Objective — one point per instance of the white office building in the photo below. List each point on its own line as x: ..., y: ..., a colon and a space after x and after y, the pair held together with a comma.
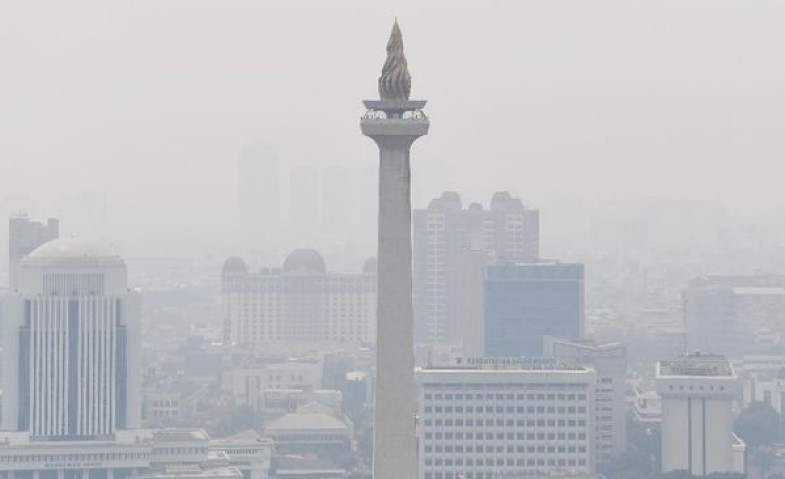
x: 609, y: 359
x: 71, y: 345
x: 71, y: 385
x: 494, y: 417
x: 697, y: 421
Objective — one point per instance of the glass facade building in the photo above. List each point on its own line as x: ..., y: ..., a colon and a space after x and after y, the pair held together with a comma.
x: 524, y: 302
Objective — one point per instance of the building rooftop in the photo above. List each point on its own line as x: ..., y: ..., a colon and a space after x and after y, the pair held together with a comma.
x: 177, y: 435
x: 244, y: 436
x: 306, y: 421
x: 696, y: 365
x: 506, y: 364
x: 72, y: 249
x: 234, y: 265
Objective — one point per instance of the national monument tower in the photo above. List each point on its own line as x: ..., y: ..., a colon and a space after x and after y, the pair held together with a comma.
x: 394, y: 122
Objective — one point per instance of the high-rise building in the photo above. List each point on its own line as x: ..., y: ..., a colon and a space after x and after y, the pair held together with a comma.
x: 300, y: 303
x: 728, y: 314
x: 609, y: 360
x: 24, y: 236
x: 442, y: 233
x: 490, y: 418
x: 303, y: 203
x: 471, y: 298
x: 524, y: 302
x: 71, y: 345
x: 697, y: 392
x: 258, y: 191
x: 394, y: 122
x: 337, y: 204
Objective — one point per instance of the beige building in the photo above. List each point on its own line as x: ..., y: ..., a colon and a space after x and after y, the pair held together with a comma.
x: 299, y: 304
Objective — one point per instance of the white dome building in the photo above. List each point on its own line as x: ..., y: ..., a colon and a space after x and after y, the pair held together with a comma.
x: 72, y: 343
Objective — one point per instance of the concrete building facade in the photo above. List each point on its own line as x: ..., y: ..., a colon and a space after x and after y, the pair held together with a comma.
x: 506, y: 418
x: 697, y: 392
x: 609, y: 360
x: 71, y: 345
x: 299, y: 304
x: 394, y: 122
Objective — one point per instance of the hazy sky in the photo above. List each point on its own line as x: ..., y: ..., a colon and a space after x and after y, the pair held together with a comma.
x: 150, y: 102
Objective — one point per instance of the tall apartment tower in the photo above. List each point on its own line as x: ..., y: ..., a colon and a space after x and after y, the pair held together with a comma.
x: 258, y: 196
x: 394, y: 122
x: 525, y: 302
x: 24, y: 236
x: 71, y: 345
x: 442, y: 234
x: 609, y: 360
x: 697, y: 392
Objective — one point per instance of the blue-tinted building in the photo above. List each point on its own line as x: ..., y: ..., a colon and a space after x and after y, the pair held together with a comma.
x: 526, y: 301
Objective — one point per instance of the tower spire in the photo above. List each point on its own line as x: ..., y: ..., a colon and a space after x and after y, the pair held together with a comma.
x: 395, y: 83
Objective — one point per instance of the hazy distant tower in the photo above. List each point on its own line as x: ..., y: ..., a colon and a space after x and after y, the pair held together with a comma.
x: 394, y: 122
x: 258, y: 193
x: 24, y: 236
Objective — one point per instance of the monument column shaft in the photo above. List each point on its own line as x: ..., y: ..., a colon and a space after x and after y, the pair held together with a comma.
x: 394, y: 431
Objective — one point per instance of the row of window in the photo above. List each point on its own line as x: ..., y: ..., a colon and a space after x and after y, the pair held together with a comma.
x: 530, y: 449
x: 506, y: 462
x: 506, y: 422
x: 508, y: 396
x: 507, y: 409
x: 72, y: 457
x: 509, y: 436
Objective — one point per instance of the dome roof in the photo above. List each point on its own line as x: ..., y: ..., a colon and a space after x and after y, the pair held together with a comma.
x: 304, y: 261
x: 73, y: 249
x: 370, y: 266
x: 234, y: 265
x: 450, y: 200
x: 502, y: 201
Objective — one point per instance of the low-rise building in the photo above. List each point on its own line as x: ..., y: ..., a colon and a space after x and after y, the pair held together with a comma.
x: 493, y: 417
x: 130, y: 453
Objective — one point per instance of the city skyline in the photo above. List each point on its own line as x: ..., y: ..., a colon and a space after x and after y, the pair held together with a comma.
x: 578, y: 273
x: 670, y: 124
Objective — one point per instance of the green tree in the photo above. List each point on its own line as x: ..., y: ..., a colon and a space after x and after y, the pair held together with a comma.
x: 758, y: 425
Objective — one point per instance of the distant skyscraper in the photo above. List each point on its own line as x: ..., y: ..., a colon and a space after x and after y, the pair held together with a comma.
x: 524, y: 302
x: 299, y: 304
x: 697, y: 393
x: 71, y: 345
x: 609, y: 360
x: 442, y: 232
x: 725, y: 313
x: 486, y: 420
x: 337, y: 203
x: 303, y: 204
x: 258, y: 191
x: 24, y: 236
x: 471, y: 299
